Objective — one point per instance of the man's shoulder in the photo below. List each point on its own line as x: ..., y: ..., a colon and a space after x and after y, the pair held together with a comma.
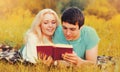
x: 88, y: 32
x: 58, y: 36
x: 59, y: 27
x: 58, y: 30
x: 87, y: 28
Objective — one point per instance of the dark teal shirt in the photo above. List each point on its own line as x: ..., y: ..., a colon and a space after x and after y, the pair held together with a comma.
x: 87, y: 40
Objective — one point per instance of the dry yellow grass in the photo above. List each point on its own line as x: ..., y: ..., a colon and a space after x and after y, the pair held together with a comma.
x: 13, y: 27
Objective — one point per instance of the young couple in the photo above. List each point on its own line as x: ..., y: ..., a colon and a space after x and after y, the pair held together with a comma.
x: 46, y: 29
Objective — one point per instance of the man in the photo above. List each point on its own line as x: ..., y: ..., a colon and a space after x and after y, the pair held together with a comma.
x: 84, y: 39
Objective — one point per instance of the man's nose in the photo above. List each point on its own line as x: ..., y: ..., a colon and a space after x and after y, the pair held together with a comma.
x: 68, y: 32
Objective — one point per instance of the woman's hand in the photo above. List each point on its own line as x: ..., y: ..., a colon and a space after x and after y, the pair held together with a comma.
x: 47, y: 60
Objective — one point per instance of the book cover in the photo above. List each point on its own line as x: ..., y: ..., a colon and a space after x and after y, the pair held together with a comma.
x: 55, y: 51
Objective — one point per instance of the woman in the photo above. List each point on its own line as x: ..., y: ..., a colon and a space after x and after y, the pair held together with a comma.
x: 40, y: 33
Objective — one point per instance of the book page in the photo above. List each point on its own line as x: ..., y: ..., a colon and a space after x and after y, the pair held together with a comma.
x: 63, y: 45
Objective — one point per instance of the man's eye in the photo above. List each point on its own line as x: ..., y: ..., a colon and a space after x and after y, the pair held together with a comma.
x: 64, y: 28
x: 72, y: 29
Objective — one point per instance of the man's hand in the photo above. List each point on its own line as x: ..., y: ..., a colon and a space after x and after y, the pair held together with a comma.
x: 72, y: 58
x: 91, y: 57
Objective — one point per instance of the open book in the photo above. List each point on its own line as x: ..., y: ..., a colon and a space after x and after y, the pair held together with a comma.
x: 55, y: 51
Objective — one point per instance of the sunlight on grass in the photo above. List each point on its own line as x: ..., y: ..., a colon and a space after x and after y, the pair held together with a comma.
x: 13, y: 27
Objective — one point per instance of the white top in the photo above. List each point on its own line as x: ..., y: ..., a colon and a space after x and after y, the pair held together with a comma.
x: 29, y: 52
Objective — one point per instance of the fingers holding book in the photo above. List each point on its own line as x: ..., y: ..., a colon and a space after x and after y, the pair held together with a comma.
x: 72, y: 58
x: 55, y: 53
x: 47, y: 60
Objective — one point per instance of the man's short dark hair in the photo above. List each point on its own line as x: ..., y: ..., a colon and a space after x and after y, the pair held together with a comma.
x: 73, y: 15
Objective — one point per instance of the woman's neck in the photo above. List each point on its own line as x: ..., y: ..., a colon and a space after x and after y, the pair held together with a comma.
x: 47, y: 39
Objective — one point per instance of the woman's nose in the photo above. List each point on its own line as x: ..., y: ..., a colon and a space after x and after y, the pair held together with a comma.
x: 50, y: 24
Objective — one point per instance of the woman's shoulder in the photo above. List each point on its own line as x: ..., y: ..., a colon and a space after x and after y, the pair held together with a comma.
x: 30, y: 36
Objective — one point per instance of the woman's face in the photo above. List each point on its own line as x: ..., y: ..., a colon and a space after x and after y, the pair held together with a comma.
x: 48, y: 24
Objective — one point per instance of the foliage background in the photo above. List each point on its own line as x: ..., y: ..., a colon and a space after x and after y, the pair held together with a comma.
x: 16, y: 17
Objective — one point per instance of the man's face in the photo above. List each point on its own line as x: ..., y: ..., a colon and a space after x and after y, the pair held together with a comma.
x: 71, y: 32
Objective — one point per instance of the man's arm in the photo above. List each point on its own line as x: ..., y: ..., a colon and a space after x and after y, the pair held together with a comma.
x: 91, y: 57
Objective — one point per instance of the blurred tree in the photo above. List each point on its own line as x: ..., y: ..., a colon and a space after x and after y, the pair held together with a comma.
x: 101, y: 9
x: 36, y: 5
x: 7, y: 7
x: 33, y: 5
x: 116, y: 4
x: 63, y: 4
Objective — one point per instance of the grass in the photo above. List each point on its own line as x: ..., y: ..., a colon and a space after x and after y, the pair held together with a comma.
x: 13, y: 28
x: 6, y: 67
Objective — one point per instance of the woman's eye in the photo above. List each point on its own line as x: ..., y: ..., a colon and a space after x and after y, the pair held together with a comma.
x: 53, y: 22
x: 45, y: 23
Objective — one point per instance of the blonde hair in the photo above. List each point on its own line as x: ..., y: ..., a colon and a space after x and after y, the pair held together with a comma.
x: 35, y: 28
